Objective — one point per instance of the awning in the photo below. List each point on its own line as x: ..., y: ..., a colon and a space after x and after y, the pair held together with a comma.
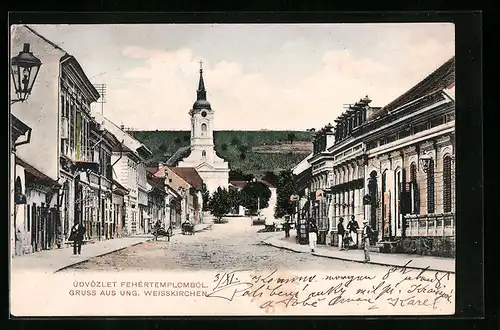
x: 145, y: 215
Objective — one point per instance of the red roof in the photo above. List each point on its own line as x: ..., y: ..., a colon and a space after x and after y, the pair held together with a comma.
x: 155, y: 182
x: 152, y: 170
x: 190, y: 175
x: 239, y: 184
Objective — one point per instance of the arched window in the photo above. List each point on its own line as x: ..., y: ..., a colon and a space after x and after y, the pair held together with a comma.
x: 203, y: 129
x: 430, y: 188
x: 415, y: 194
x: 204, y: 154
x: 447, y: 184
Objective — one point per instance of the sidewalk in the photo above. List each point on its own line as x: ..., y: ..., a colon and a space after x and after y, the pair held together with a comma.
x: 58, y: 259
x: 384, y: 259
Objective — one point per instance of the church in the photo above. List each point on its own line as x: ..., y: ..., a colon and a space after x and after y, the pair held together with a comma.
x: 201, y: 154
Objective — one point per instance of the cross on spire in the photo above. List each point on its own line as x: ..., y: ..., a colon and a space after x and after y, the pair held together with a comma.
x: 201, y: 65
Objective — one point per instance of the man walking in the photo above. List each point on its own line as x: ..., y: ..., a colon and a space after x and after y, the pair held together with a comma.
x: 313, y: 235
x: 77, y: 233
x: 286, y: 228
x: 341, y: 233
x: 367, y: 234
x: 352, y: 228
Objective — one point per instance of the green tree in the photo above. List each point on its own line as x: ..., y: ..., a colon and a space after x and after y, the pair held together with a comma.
x: 177, y: 140
x: 220, y: 204
x: 186, y: 138
x: 234, y: 198
x: 235, y: 141
x: 271, y: 177
x: 205, y: 194
x: 291, y: 137
x: 255, y: 194
x: 224, y: 146
x: 163, y: 147
x: 285, y: 188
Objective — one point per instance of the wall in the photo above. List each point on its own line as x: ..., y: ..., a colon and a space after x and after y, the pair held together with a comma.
x: 41, y: 110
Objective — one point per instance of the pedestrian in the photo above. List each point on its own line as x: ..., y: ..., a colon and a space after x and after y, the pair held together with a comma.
x: 341, y: 233
x: 313, y: 235
x: 286, y: 228
x: 367, y: 234
x: 77, y: 233
x: 352, y: 228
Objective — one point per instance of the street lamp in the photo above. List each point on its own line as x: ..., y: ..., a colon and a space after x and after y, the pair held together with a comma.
x: 425, y: 162
x: 24, y: 70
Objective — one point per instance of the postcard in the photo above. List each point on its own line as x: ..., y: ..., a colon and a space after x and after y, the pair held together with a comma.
x: 232, y: 169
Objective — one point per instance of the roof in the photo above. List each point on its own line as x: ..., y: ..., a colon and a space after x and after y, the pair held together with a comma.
x: 155, y: 182
x: 238, y: 183
x: 37, y: 174
x: 190, y: 175
x: 440, y: 79
x: 152, y: 170
x: 179, y: 155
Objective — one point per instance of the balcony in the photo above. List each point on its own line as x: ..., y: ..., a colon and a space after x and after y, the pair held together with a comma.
x: 430, y: 225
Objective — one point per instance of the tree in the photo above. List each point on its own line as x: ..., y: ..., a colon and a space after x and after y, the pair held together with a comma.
x: 220, y: 204
x: 291, y: 137
x: 205, y: 194
x: 186, y: 137
x: 271, y: 177
x: 234, y: 198
x: 235, y: 141
x: 163, y: 147
x: 255, y: 194
x: 224, y: 147
x: 177, y: 140
x: 236, y: 175
x: 285, y: 188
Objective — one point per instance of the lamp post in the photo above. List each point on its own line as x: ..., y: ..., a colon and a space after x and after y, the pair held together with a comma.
x: 24, y: 70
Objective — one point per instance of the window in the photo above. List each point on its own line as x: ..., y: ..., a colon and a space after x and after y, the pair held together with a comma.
x: 437, y: 122
x: 415, y: 194
x: 404, y: 134
x: 204, y: 154
x: 449, y: 117
x: 420, y: 128
x: 430, y: 188
x: 203, y: 129
x: 447, y: 184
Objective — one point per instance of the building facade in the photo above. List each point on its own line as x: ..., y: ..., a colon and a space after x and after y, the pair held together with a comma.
x: 213, y: 169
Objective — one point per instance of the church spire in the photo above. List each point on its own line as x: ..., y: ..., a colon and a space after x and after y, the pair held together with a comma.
x: 201, y: 93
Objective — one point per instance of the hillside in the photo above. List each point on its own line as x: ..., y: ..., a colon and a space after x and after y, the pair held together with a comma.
x: 252, y: 152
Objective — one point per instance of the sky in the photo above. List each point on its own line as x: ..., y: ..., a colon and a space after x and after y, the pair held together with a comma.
x: 257, y: 76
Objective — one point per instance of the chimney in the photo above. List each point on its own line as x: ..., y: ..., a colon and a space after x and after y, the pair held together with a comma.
x: 122, y: 127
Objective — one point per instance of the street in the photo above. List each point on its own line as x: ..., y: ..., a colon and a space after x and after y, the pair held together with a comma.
x: 232, y: 245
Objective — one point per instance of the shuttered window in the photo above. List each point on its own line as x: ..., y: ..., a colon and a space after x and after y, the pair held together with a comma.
x: 430, y: 188
x: 447, y: 184
x: 415, y: 201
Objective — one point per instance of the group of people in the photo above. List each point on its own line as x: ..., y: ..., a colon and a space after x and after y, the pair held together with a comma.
x: 346, y: 237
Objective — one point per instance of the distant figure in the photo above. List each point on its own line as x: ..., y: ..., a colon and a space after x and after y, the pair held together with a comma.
x: 352, y: 228
x: 341, y: 233
x: 77, y: 233
x: 286, y: 228
x: 367, y: 234
x: 313, y: 235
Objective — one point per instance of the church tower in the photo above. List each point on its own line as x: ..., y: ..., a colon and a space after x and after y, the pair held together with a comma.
x: 213, y: 170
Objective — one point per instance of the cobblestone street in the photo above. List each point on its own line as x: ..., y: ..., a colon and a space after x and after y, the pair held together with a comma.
x: 232, y: 245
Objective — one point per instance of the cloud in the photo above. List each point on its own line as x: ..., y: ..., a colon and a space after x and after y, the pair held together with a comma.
x: 159, y: 91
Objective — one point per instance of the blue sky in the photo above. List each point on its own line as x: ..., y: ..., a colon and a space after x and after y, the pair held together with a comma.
x: 287, y: 76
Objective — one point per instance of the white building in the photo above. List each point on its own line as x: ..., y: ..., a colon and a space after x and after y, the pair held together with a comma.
x: 130, y: 172
x: 58, y: 111
x: 213, y: 169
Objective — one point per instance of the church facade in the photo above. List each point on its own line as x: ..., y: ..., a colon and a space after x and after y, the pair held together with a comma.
x: 213, y: 169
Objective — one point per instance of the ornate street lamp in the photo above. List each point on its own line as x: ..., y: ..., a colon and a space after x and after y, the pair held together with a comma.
x: 24, y: 70
x: 425, y: 162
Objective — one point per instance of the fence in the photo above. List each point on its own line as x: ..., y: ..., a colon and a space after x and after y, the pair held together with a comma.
x: 430, y: 225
